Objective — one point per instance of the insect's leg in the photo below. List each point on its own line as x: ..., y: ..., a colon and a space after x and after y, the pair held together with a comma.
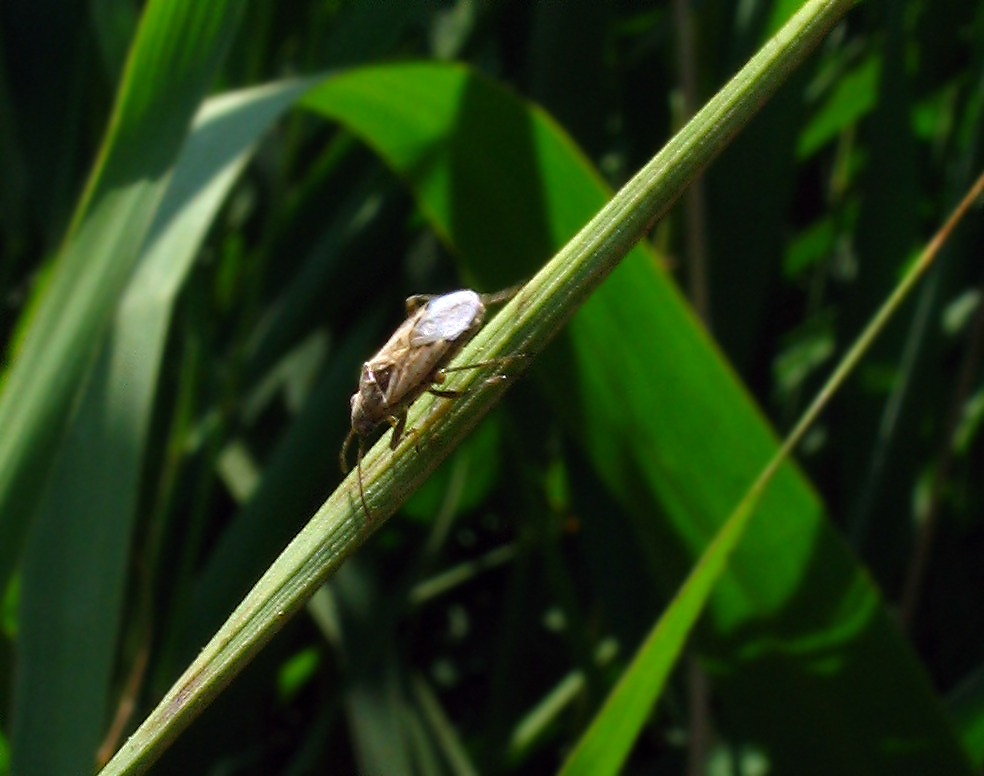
x: 441, y: 374
x: 501, y: 296
x: 400, y: 430
x: 444, y: 394
x: 399, y: 425
x: 478, y: 365
x: 362, y: 492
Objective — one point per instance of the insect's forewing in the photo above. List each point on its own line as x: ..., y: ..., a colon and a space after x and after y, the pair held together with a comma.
x: 447, y: 317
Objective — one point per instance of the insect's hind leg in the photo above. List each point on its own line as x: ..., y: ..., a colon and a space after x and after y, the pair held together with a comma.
x: 440, y: 375
x: 362, y: 490
x: 498, y: 297
x: 358, y: 467
x: 446, y: 394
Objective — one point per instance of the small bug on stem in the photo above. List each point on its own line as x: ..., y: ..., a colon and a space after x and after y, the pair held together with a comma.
x: 413, y: 361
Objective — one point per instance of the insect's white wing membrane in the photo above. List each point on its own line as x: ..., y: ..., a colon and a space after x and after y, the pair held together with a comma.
x: 447, y: 317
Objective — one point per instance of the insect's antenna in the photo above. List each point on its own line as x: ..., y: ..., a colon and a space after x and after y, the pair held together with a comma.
x: 345, y: 447
x: 362, y: 493
x: 504, y: 295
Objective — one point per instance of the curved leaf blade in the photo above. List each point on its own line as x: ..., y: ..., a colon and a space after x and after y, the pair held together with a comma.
x: 177, y: 50
x: 74, y: 575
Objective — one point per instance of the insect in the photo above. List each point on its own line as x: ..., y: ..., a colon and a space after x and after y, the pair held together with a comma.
x: 412, y: 362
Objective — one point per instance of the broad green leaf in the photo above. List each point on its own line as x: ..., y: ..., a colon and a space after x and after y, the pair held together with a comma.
x: 71, y: 605
x: 179, y: 45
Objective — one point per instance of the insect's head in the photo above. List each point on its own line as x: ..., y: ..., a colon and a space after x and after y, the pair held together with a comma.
x: 363, y: 420
x: 367, y: 403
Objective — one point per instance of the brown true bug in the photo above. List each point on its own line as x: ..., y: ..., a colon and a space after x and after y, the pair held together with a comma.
x: 413, y: 361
